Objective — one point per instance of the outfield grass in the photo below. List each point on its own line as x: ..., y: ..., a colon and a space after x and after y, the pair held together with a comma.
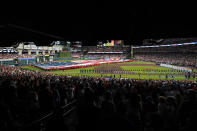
x: 140, y: 62
x: 137, y: 62
x: 145, y: 67
x: 76, y: 72
x: 29, y: 67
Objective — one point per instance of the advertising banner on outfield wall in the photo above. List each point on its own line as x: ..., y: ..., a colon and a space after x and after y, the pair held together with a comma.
x: 7, y: 50
x: 6, y: 59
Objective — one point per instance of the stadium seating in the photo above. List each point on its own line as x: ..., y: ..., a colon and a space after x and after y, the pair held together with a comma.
x: 107, y: 52
x: 178, y: 40
x: 176, y: 55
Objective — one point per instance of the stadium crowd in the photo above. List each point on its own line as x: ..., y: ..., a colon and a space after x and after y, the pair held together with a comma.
x: 180, y: 48
x: 76, y: 54
x: 106, y: 56
x: 175, y: 55
x: 169, y: 41
x: 105, y: 49
x: 169, y: 58
x: 178, y: 40
x: 25, y: 95
x: 103, y: 103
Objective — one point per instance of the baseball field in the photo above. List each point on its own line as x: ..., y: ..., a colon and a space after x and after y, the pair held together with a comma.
x: 134, y: 69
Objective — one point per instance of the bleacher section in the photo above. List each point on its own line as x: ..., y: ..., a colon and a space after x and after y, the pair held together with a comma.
x: 113, y: 52
x: 184, y: 54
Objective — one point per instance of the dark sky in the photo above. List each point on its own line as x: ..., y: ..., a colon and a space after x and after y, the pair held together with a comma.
x: 97, y: 22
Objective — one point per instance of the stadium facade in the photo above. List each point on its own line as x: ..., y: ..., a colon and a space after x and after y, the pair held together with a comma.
x: 25, y: 53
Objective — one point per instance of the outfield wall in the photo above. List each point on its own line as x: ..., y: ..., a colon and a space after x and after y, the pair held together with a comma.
x: 176, y: 67
x: 7, y: 61
x: 21, y: 61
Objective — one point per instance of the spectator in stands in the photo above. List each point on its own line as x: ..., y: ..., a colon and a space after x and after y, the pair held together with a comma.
x: 188, y: 106
x: 108, y: 106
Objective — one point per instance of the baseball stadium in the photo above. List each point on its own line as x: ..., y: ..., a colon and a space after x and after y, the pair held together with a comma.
x: 109, y: 86
x: 98, y: 66
x: 115, y: 60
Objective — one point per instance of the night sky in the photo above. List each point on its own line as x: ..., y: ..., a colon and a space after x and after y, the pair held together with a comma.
x: 99, y: 22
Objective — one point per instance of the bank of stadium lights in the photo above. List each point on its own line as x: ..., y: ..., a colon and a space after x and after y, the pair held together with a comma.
x: 68, y: 42
x: 57, y: 42
x: 8, y: 50
x: 78, y: 42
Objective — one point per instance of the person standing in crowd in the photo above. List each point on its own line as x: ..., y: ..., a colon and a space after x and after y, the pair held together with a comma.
x: 193, y: 75
x: 166, y: 76
x: 159, y: 76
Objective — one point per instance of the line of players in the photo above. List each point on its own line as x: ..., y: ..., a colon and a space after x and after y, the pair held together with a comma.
x: 132, y: 71
x: 140, y: 71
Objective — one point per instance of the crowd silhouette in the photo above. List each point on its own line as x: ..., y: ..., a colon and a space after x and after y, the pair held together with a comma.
x: 103, y: 104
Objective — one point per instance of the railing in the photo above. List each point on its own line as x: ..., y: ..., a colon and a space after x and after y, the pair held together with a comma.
x: 71, y: 104
x: 40, y: 123
x: 69, y: 111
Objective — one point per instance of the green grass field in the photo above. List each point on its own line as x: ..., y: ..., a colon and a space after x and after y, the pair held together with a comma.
x: 144, y: 67
x: 125, y: 66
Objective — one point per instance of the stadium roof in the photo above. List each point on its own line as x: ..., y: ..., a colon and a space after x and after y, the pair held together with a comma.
x: 132, y: 24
